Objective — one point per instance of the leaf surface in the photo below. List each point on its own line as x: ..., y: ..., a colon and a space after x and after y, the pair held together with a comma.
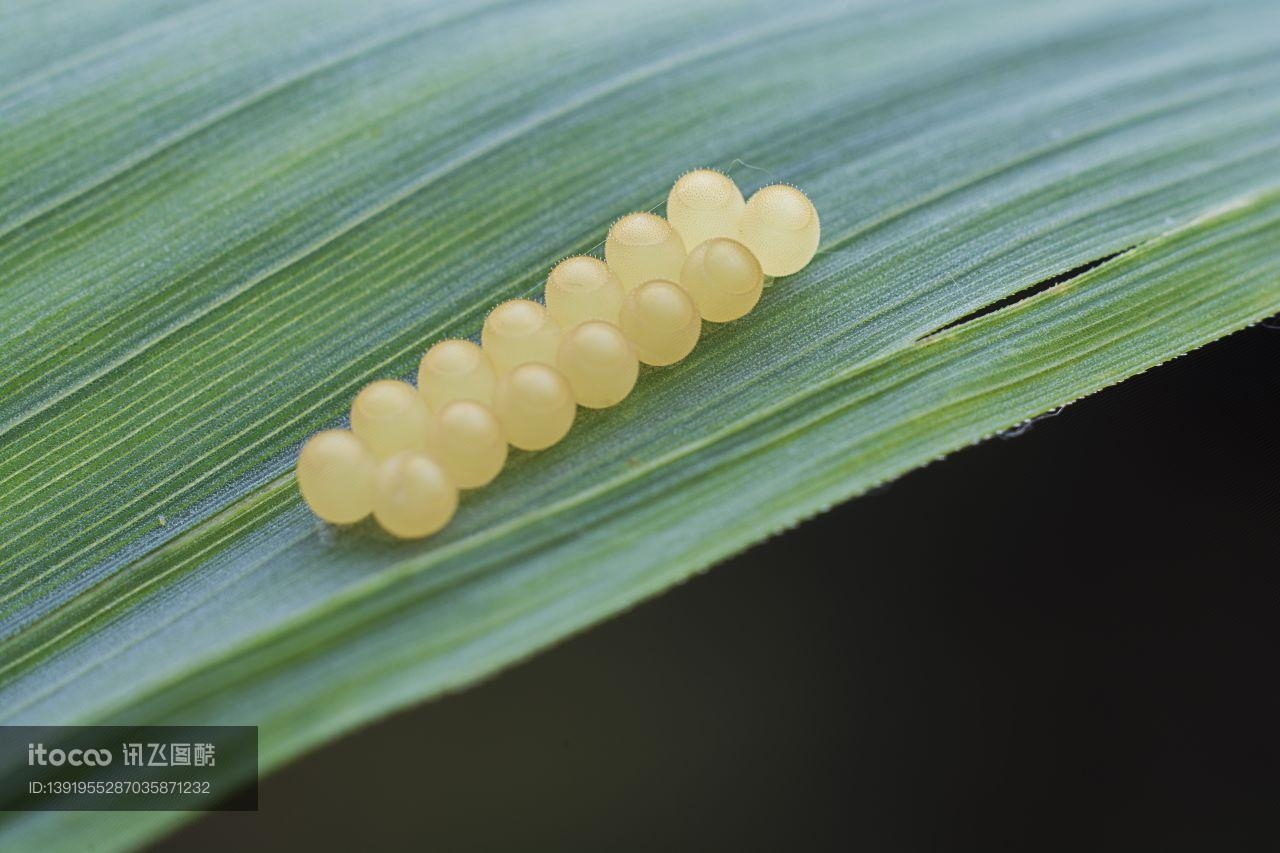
x: 217, y: 221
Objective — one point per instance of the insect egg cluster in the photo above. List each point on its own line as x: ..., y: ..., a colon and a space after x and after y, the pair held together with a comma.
x: 410, y: 450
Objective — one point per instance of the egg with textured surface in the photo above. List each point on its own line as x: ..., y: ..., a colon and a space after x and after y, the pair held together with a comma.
x: 519, y: 331
x: 580, y: 289
x: 704, y: 204
x: 392, y: 417
x: 455, y: 370
x: 780, y: 226
x: 641, y: 247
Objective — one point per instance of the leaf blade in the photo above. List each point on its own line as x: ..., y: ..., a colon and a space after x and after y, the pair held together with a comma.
x: 940, y: 192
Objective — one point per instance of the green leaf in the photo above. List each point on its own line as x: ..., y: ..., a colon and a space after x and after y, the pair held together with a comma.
x: 218, y: 220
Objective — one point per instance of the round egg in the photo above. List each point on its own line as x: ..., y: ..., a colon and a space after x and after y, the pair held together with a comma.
x: 455, y: 370
x: 519, y: 331
x: 392, y: 417
x: 580, y: 289
x: 641, y: 247
x: 780, y: 226
x: 413, y: 497
x: 662, y: 321
x: 724, y: 279
x: 704, y: 204
x: 335, y: 475
x: 600, y: 364
x: 470, y: 443
x: 535, y: 405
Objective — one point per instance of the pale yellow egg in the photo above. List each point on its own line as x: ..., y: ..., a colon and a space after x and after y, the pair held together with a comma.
x: 392, y: 417
x: 704, y: 204
x: 580, y: 289
x: 335, y: 475
x: 519, y: 331
x: 662, y: 321
x: 412, y: 495
x: 534, y: 403
x: 455, y: 370
x: 641, y: 247
x: 600, y: 364
x: 780, y: 226
x: 724, y: 279
x: 470, y: 443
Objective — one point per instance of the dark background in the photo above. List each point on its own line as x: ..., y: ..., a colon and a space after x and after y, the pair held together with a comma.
x: 1065, y: 640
